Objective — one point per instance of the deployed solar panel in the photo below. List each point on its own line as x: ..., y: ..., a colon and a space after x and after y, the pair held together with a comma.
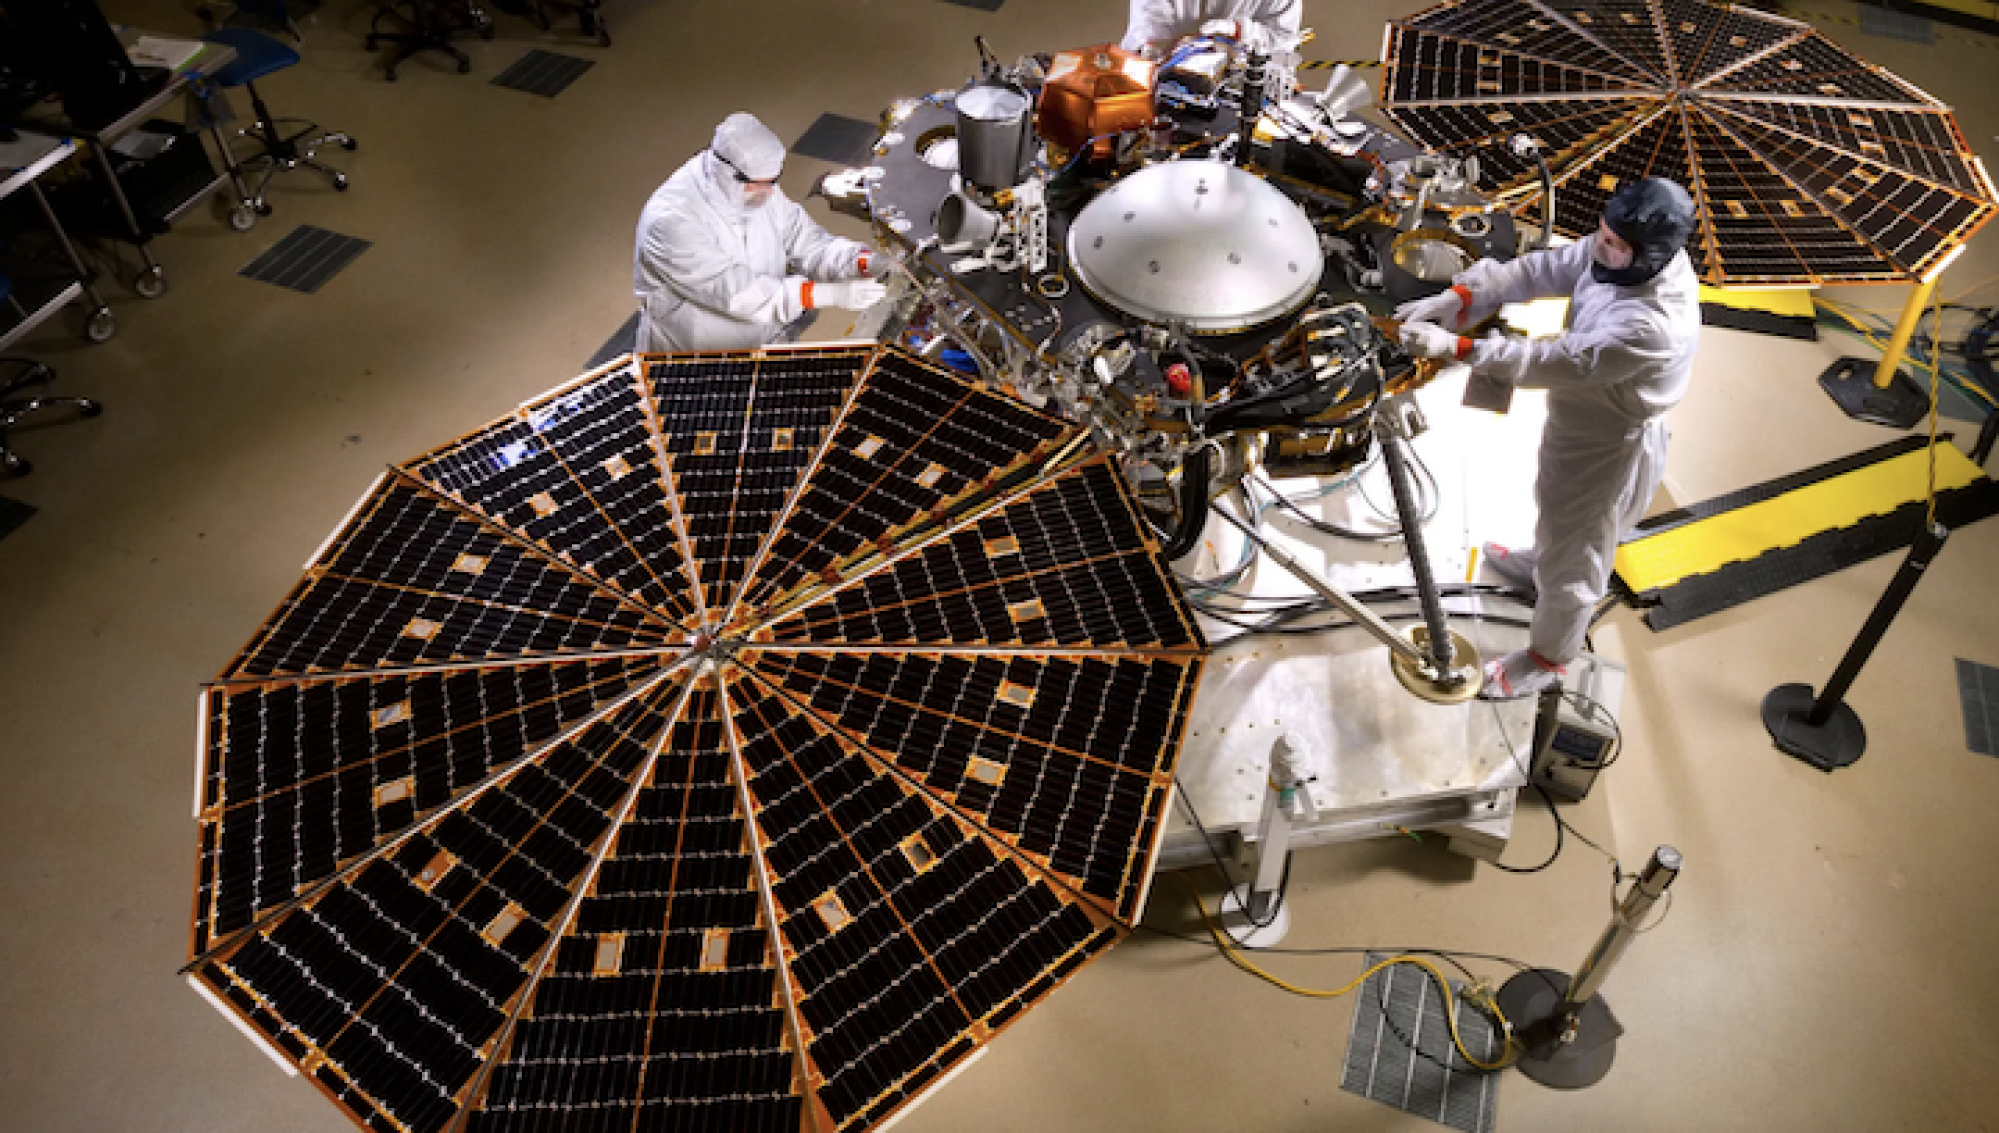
x: 1808, y: 165
x: 719, y: 742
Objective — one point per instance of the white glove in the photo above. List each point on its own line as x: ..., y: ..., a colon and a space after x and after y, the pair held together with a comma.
x: 1221, y: 29
x: 872, y: 264
x: 850, y: 294
x: 1445, y: 308
x: 1428, y: 340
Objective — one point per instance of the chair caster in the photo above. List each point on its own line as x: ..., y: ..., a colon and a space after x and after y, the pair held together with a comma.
x: 89, y: 408
x: 340, y: 182
x: 243, y: 217
x: 603, y: 33
x: 262, y: 206
x: 17, y: 467
x: 151, y: 283
x: 102, y: 325
x: 349, y: 144
x: 464, y: 66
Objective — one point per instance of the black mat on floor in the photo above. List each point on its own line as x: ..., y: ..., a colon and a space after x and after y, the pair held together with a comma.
x: 13, y: 513
x: 1403, y: 1003
x: 836, y: 138
x: 620, y: 342
x: 981, y: 5
x: 543, y: 72
x: 1978, y: 692
x: 305, y: 259
x: 1895, y: 25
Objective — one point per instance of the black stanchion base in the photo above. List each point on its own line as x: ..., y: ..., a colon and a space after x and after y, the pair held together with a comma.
x: 1850, y: 383
x: 1839, y: 742
x: 1531, y: 1002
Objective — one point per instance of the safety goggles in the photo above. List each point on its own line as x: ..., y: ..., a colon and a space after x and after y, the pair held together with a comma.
x: 741, y: 176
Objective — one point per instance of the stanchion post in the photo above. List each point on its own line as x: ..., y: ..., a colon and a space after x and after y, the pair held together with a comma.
x: 1823, y: 730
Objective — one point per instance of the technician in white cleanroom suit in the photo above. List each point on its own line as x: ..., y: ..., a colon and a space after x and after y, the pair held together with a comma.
x: 1263, y: 25
x: 1634, y: 321
x: 725, y: 259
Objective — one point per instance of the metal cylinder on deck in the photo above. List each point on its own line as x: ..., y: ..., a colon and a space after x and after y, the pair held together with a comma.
x: 995, y: 135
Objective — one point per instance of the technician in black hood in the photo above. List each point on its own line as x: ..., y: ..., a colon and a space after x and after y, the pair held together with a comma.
x: 1625, y: 359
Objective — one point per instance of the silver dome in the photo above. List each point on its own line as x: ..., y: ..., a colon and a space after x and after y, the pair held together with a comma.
x: 1201, y: 243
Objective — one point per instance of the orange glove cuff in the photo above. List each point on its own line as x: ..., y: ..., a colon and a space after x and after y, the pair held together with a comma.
x: 1463, y: 351
x: 1464, y: 301
x: 805, y: 295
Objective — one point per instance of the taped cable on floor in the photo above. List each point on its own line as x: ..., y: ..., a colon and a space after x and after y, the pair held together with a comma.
x: 1507, y: 1051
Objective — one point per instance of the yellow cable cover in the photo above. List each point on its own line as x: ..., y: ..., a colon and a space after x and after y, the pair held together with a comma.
x: 1706, y: 545
x: 1791, y: 302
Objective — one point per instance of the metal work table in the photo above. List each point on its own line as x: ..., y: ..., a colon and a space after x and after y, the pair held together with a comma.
x: 23, y: 161
x: 151, y: 283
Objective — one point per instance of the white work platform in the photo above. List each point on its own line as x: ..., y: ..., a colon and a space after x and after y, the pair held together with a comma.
x: 1385, y: 760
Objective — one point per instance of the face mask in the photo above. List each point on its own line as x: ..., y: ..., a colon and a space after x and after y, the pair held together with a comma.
x: 1616, y: 259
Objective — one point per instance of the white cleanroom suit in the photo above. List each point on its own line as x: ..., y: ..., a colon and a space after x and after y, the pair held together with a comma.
x: 1625, y: 359
x: 722, y: 264
x: 1262, y: 25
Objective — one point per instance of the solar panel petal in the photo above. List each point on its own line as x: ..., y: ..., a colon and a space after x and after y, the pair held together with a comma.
x: 504, y: 825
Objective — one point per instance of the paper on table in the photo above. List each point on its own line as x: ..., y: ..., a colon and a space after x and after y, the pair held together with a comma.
x: 155, y: 51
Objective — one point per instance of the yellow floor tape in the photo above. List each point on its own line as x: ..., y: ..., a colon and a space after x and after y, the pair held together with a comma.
x: 1706, y: 545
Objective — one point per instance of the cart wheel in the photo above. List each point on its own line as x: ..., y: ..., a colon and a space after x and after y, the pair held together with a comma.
x: 340, y: 182
x: 89, y: 408
x: 151, y: 283
x: 18, y: 467
x: 102, y: 325
x: 486, y: 27
x: 243, y: 218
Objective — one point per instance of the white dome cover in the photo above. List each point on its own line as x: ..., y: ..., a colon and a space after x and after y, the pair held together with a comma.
x: 1201, y: 243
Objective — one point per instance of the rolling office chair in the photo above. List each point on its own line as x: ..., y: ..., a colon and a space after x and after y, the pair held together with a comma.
x: 427, y: 25
x: 259, y: 56
x: 32, y: 375
x: 588, y: 12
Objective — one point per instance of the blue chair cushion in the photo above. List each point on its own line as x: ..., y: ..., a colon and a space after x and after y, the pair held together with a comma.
x: 257, y: 55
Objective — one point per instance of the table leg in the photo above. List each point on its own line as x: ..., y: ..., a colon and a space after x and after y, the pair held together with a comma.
x: 102, y: 324
x: 152, y: 282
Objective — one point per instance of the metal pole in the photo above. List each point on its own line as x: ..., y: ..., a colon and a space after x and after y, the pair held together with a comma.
x: 1658, y: 874
x: 1925, y: 549
x: 1251, y: 107
x: 1419, y: 557
x: 1348, y: 604
x: 1891, y: 358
